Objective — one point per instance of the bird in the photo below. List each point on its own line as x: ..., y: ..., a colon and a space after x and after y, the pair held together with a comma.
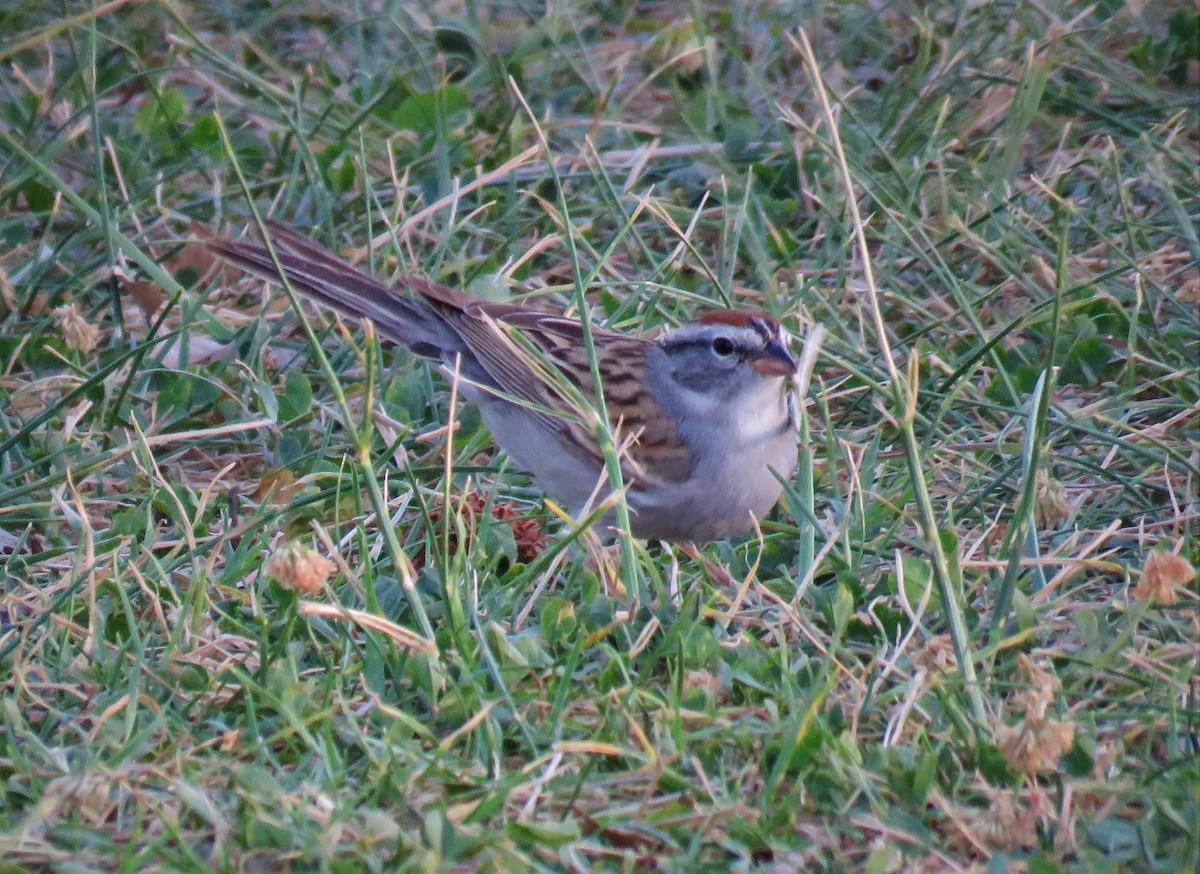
x: 704, y: 413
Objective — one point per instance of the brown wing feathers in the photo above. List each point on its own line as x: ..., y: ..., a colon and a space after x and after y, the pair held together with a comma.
x: 437, y: 321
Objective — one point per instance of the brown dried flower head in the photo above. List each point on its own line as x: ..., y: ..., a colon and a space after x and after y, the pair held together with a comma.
x: 77, y: 331
x: 1036, y: 742
x: 1051, y: 507
x: 1041, y: 687
x: 1163, y: 576
x: 1035, y: 746
x: 936, y: 656
x: 1009, y: 818
x: 527, y: 533
x: 299, y: 568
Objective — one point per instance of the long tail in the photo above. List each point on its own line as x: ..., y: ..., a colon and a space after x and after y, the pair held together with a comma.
x: 318, y: 273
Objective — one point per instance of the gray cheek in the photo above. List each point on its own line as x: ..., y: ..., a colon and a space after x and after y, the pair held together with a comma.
x: 725, y: 383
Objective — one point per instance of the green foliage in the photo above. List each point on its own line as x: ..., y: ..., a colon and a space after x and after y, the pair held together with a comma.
x: 1171, y: 54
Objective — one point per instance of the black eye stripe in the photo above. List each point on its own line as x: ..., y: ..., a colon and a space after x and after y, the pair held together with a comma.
x: 738, y: 344
x: 706, y: 342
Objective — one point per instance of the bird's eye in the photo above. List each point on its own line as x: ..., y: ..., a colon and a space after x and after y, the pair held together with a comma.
x: 723, y: 346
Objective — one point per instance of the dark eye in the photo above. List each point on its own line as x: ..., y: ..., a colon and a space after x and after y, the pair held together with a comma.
x: 723, y: 346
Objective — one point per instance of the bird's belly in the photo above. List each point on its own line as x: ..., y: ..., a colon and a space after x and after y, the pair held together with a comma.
x: 725, y: 497
x: 539, y: 451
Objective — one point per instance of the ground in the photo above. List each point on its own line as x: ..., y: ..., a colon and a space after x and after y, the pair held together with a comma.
x: 272, y: 600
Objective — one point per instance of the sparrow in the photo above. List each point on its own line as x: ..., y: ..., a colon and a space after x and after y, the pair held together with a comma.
x: 704, y: 413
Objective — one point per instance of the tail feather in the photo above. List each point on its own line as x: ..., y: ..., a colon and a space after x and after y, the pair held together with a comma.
x: 319, y: 274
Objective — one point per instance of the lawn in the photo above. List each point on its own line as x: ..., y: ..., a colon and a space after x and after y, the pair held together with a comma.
x: 271, y: 599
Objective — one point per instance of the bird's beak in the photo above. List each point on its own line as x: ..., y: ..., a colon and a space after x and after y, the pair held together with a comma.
x: 774, y: 360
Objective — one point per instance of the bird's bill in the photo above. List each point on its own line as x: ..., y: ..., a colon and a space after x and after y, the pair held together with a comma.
x: 774, y: 360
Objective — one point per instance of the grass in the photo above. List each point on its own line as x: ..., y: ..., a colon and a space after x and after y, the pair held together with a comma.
x: 958, y: 644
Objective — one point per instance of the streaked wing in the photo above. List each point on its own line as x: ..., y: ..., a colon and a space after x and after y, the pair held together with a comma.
x: 655, y: 445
